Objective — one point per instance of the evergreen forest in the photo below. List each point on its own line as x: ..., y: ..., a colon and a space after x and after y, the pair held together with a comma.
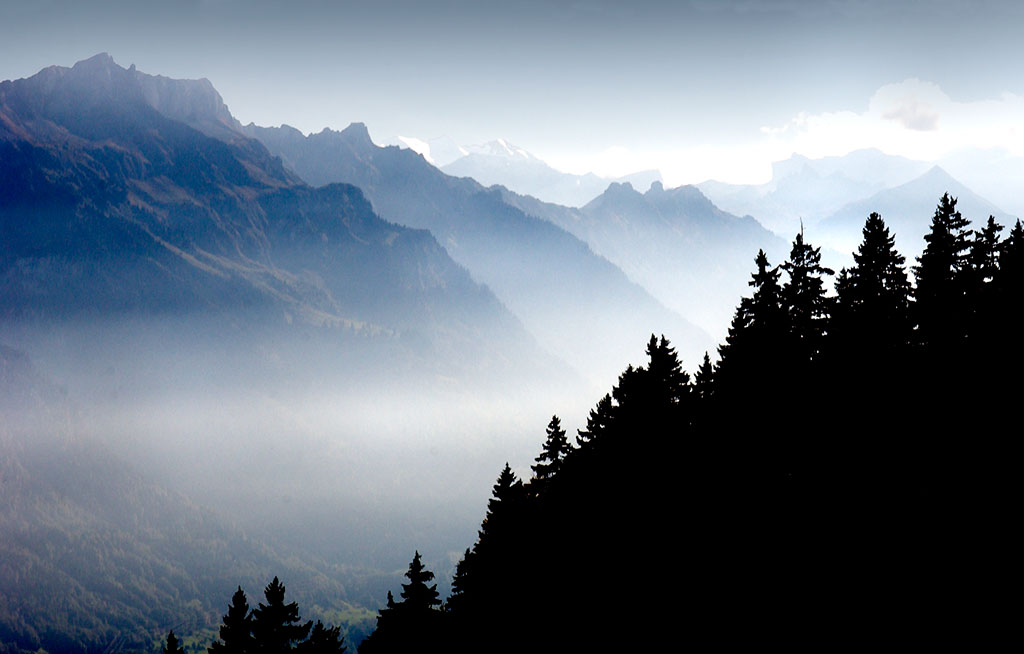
x: 842, y: 477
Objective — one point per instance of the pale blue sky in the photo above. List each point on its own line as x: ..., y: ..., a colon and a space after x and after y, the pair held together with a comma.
x: 588, y: 83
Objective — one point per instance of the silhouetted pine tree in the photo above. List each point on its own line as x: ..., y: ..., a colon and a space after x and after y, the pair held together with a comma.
x: 873, y: 297
x: 236, y: 629
x: 462, y: 583
x: 940, y: 306
x: 417, y: 595
x: 704, y: 379
x: 276, y: 626
x: 556, y: 447
x: 981, y: 291
x: 804, y: 299
x: 758, y: 336
x: 413, y: 625
x: 598, y: 422
x: 323, y: 640
x: 1008, y: 290
x: 173, y: 645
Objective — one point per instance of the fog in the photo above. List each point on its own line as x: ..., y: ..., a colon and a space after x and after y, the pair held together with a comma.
x: 339, y: 453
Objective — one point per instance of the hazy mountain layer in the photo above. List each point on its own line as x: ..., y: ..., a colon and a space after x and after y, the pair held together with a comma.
x: 578, y: 305
x: 907, y: 210
x: 273, y: 349
x: 110, y: 205
x: 98, y: 558
x: 809, y: 190
x: 520, y: 171
x: 690, y: 254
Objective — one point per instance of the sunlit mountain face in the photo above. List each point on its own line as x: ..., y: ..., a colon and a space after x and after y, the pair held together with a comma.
x: 481, y: 326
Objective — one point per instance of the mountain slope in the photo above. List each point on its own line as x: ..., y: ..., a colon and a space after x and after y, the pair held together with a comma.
x: 97, y: 557
x: 578, y: 305
x: 907, y: 210
x: 272, y: 350
x: 693, y: 256
x: 109, y: 204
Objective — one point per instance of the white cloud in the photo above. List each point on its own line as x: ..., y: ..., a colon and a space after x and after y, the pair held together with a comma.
x: 912, y: 118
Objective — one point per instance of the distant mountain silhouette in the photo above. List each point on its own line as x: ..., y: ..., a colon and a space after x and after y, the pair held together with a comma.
x: 808, y: 190
x: 691, y: 255
x: 577, y: 304
x: 993, y: 173
x: 498, y: 162
x: 907, y: 210
x: 123, y: 194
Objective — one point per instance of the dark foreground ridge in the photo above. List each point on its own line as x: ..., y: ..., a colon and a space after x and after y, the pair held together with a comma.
x: 841, y: 477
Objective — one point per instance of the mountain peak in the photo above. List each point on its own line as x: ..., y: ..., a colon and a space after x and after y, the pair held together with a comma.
x: 357, y: 133
x: 936, y: 172
x: 97, y: 61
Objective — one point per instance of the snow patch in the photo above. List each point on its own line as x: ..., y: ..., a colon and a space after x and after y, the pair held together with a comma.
x: 418, y: 146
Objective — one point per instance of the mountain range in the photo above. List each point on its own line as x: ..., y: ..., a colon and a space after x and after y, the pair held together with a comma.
x: 199, y: 317
x: 576, y: 303
x: 502, y: 163
x: 907, y: 210
x: 674, y: 242
x: 831, y: 197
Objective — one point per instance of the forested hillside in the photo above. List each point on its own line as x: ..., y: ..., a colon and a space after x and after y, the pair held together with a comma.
x: 842, y: 477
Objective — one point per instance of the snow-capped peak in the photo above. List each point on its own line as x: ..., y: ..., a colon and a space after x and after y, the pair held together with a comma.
x: 418, y: 146
x: 500, y: 148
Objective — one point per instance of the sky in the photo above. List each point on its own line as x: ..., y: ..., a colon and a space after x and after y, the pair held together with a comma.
x: 699, y: 89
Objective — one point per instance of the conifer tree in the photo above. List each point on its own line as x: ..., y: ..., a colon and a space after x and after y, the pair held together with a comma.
x: 173, y: 645
x: 598, y: 422
x: 462, y: 583
x: 981, y: 290
x: 323, y: 640
x: 667, y: 379
x: 803, y: 297
x: 1008, y: 290
x: 940, y: 295
x: 556, y: 447
x: 1011, y: 257
x: 236, y: 629
x: 758, y: 335
x: 704, y: 379
x: 984, y: 252
x: 873, y: 306
x: 414, y: 624
x: 417, y: 595
x: 276, y: 626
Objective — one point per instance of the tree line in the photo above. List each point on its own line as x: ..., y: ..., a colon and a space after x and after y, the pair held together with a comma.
x: 843, y: 475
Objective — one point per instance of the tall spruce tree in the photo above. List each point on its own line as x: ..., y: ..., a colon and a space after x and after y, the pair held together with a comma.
x: 981, y: 290
x: 236, y: 629
x: 943, y: 278
x: 804, y: 299
x: 758, y: 337
x: 556, y: 448
x: 415, y: 624
x: 276, y: 625
x: 417, y: 595
x: 704, y: 379
x: 599, y: 421
x: 667, y: 379
x: 873, y: 307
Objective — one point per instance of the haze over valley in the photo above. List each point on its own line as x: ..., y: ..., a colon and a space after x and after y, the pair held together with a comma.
x: 305, y: 293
